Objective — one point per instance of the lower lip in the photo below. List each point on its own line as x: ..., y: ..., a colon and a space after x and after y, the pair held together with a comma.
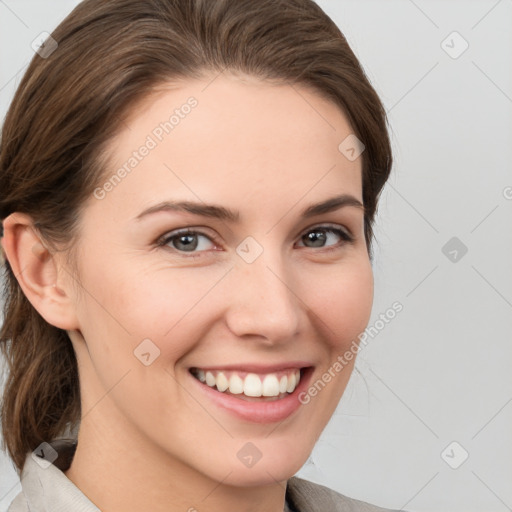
x: 258, y: 412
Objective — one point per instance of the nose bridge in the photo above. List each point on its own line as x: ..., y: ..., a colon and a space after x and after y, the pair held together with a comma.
x: 263, y: 302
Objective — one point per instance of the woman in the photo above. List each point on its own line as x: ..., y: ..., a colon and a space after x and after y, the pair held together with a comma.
x: 188, y: 194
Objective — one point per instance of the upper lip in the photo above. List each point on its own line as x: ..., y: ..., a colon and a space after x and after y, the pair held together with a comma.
x: 257, y: 368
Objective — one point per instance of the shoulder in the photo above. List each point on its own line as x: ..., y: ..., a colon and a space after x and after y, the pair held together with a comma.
x: 306, y: 496
x: 18, y: 504
x: 44, y: 485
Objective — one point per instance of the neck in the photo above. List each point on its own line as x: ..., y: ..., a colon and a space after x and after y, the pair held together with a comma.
x: 140, y: 476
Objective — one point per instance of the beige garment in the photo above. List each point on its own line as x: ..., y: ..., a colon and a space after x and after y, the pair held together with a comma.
x: 45, y: 488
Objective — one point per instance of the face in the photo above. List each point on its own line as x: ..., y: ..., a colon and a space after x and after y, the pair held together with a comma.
x: 207, y: 278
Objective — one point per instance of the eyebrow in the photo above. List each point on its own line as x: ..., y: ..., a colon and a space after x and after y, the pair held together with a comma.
x: 225, y: 214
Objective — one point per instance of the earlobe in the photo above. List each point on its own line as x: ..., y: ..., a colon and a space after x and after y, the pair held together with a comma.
x: 37, y: 272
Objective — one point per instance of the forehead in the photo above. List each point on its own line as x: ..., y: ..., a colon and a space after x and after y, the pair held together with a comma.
x: 230, y: 139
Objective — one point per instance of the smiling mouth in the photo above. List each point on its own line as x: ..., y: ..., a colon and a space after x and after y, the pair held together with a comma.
x: 250, y: 386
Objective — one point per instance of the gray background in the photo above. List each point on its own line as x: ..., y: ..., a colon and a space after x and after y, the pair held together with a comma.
x: 439, y: 372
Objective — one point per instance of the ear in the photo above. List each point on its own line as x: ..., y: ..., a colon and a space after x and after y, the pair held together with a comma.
x: 46, y: 285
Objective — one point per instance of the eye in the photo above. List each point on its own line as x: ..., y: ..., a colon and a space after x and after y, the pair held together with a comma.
x: 194, y: 242
x: 187, y: 240
x: 325, y: 236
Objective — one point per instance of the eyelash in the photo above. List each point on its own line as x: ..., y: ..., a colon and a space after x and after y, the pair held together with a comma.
x: 168, y: 237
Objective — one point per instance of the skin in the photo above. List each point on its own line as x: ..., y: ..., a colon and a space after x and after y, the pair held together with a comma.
x: 268, y: 152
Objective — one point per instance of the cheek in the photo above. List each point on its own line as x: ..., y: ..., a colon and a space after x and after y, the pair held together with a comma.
x: 127, y: 313
x: 156, y: 303
x: 129, y: 305
x: 343, y: 301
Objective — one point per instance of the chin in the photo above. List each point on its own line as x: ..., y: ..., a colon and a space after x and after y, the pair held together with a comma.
x: 268, y: 474
x: 277, y: 466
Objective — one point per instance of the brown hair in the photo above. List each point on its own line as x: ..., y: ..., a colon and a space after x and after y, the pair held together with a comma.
x: 69, y: 105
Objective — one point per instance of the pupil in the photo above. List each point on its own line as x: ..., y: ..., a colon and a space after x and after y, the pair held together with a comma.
x: 317, y: 238
x: 190, y: 242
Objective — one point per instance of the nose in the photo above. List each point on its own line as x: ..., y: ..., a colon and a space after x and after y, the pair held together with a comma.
x: 263, y: 302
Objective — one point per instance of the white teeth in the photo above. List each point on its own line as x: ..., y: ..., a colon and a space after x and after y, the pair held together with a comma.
x: 236, y: 385
x: 291, y: 383
x: 270, y: 385
x: 222, y: 382
x: 210, y: 379
x: 283, y: 384
x: 252, y: 385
